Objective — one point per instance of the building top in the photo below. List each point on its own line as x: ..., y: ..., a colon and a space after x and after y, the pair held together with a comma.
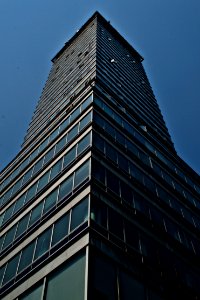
x: 109, y: 27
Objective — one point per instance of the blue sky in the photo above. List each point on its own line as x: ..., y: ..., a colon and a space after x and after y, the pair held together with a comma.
x: 166, y: 33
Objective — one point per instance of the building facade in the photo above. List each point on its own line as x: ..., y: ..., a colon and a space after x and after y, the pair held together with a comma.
x: 97, y: 204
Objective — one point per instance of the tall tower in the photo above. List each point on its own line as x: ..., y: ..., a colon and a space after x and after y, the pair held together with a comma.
x: 97, y: 204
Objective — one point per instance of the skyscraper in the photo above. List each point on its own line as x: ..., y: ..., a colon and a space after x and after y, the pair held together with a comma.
x: 97, y: 204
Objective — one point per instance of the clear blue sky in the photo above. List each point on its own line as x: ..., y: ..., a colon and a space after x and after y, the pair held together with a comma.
x: 166, y: 33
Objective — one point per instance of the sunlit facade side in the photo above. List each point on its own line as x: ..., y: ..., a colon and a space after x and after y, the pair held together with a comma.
x: 97, y: 204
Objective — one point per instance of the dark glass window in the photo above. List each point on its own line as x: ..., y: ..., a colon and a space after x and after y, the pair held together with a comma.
x: 19, y: 203
x: 109, y: 129
x: 81, y: 174
x: 79, y: 214
x: 38, y: 165
x: 83, y: 144
x: 126, y: 193
x: 75, y: 114
x: 123, y: 163
x: 65, y: 188
x: 104, y: 280
x: 111, y: 153
x: 86, y: 102
x: 36, y: 213
x: 27, y: 176
x: 98, y: 142
x: 60, y: 144
x: 17, y: 186
x: 99, y: 213
x: 31, y: 192
x: 85, y: 121
x: 113, y: 182
x: 11, y: 269
x: 55, y: 170
x: 60, y: 229
x: 64, y: 124
x: 120, y: 138
x: 72, y: 133
x: 48, y: 155
x: 8, y: 213
x: 43, y: 243
x: 9, y: 236
x: 98, y: 171
x: 132, y: 235
x: 68, y: 282
x: 22, y: 225
x: 27, y: 256
x: 69, y: 157
x: 115, y: 222
x: 50, y: 200
x: 129, y: 287
x: 43, y: 181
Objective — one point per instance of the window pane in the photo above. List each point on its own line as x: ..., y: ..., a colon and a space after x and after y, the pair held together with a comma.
x: 123, y: 163
x: 72, y: 133
x: 38, y: 165
x: 43, y: 181
x: 43, y: 243
x: 36, y: 213
x: 27, y: 176
x: 79, y: 214
x: 113, y: 182
x: 129, y: 287
x: 86, y: 102
x: 19, y: 203
x: 98, y: 142
x: 83, y: 144
x: 98, y: 171
x: 99, y: 213
x: 8, y: 213
x: 22, y: 225
x: 9, y: 236
x: 26, y: 257
x: 33, y: 294
x: 81, y: 174
x: 111, y: 153
x: 64, y: 124
x: 68, y: 282
x: 75, y: 114
x: 49, y: 155
x: 11, y: 269
x: 31, y: 192
x: 50, y: 200
x: 65, y: 188
x: 104, y: 280
x: 60, y: 229
x: 85, y: 121
x: 69, y: 157
x: 115, y: 223
x: 17, y: 186
x: 56, y: 169
x: 60, y: 144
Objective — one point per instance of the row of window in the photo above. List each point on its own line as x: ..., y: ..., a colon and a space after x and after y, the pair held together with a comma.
x: 37, y: 213
x: 45, y: 241
x: 140, y: 204
x: 130, y: 146
x: 66, y: 282
x: 123, y: 123
x: 124, y: 164
x: 73, y: 180
x: 52, y: 136
x: 76, y: 129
